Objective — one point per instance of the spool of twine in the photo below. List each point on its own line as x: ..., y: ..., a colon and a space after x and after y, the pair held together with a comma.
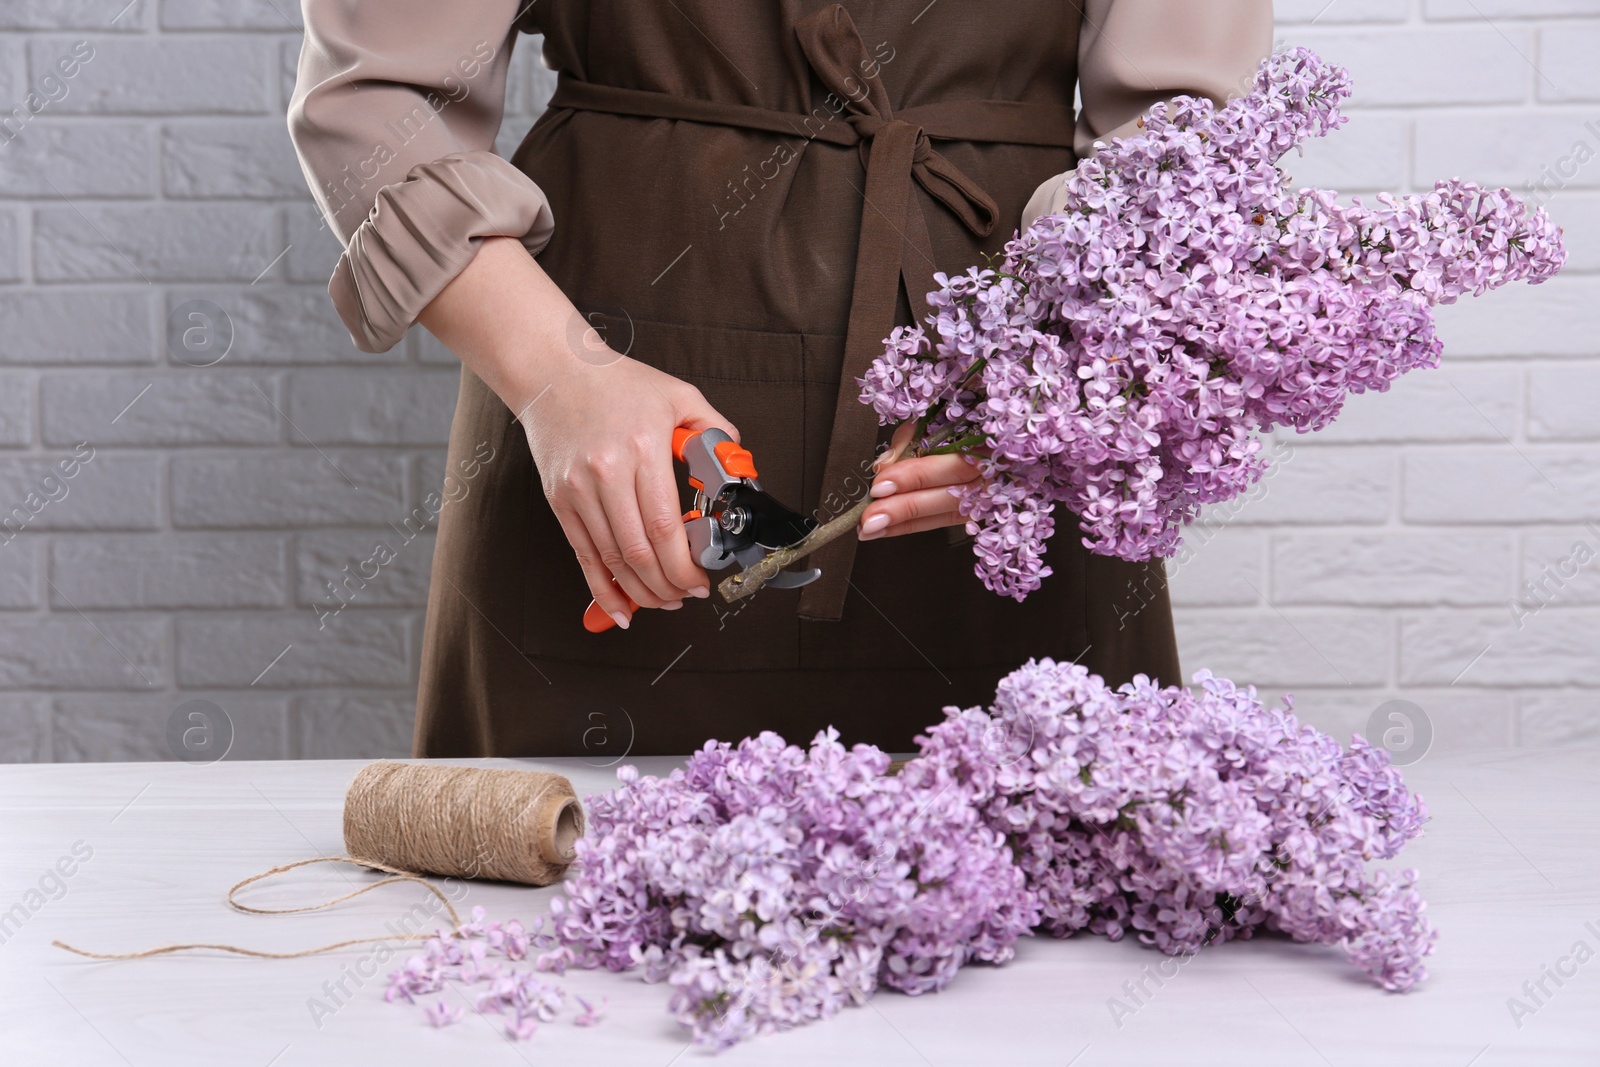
x: 408, y: 819
x: 463, y: 822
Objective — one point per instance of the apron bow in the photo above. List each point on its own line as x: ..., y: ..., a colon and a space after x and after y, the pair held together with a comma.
x: 894, y: 247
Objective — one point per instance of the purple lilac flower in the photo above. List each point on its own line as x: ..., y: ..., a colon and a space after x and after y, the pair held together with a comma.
x: 1128, y: 352
x: 471, y: 955
x: 589, y: 1014
x: 1192, y: 816
x: 771, y: 886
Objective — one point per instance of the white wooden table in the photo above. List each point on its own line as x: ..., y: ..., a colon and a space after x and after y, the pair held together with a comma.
x: 1511, y: 868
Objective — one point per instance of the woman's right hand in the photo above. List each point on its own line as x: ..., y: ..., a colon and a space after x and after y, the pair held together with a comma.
x: 599, y: 424
x: 601, y: 437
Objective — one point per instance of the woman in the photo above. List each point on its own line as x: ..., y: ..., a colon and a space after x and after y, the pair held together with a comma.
x: 719, y: 217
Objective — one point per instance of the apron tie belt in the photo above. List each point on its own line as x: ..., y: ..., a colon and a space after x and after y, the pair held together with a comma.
x: 893, y: 246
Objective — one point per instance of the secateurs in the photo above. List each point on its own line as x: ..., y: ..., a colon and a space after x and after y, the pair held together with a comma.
x: 733, y: 519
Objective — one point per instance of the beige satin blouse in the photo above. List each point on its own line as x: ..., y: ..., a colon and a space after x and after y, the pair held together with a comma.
x: 396, y: 106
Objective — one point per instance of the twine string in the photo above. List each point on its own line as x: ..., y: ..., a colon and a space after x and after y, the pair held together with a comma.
x: 407, y: 820
x: 239, y: 950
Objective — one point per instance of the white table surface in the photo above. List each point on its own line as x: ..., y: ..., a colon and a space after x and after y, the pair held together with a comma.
x: 1510, y: 862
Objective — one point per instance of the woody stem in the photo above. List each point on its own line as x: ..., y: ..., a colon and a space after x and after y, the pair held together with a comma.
x: 750, y: 581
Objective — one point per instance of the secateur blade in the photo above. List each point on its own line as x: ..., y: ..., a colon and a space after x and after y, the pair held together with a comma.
x: 770, y: 524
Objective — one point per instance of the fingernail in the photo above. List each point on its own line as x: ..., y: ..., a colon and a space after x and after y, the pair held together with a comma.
x: 621, y: 619
x: 874, y: 525
x: 700, y: 591
x: 672, y: 605
x: 883, y: 487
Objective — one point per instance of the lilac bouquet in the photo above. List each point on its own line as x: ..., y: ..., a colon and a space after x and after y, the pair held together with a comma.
x: 1127, y: 353
x: 772, y: 885
x: 1191, y: 816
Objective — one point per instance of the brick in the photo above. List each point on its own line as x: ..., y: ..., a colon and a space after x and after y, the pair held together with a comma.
x: 281, y: 325
x: 10, y: 246
x: 381, y: 567
x: 1460, y: 720
x: 19, y: 573
x: 1453, y: 66
x: 170, y: 570
x: 13, y: 79
x: 1298, y: 647
x: 1478, y: 10
x: 156, y: 242
x: 1473, y: 485
x: 1369, y: 153
x: 135, y: 726
x: 105, y: 493
x: 1311, y: 484
x: 1563, y: 568
x: 230, y: 158
x: 1294, y: 12
x: 1484, y: 647
x: 70, y: 651
x: 183, y: 408
x: 1560, y: 317
x: 50, y: 160
x: 229, y: 15
x: 353, y: 649
x: 16, y: 410
x: 1391, y: 568
x: 1217, y: 566
x: 1578, y: 214
x: 24, y: 729
x: 1562, y: 403
x: 1567, y: 67
x: 1463, y: 402
x: 100, y: 15
x: 349, y: 726
x: 1516, y: 149
x: 78, y: 326
x: 298, y: 488
x: 1558, y: 718
x: 219, y: 75
x: 373, y: 406
x: 314, y: 249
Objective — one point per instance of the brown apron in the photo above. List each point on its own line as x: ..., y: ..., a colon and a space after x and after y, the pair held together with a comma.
x: 744, y: 196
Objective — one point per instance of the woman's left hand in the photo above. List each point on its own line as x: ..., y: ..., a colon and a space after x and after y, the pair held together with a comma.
x: 914, y: 494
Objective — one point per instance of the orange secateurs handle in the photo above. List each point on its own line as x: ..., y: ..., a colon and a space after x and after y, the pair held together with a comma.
x: 735, y: 461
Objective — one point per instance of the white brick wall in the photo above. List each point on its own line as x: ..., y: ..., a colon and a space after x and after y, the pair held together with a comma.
x: 185, y: 556
x: 1385, y: 556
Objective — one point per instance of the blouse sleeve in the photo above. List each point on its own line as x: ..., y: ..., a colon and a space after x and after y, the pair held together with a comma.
x: 1135, y: 53
x: 394, y: 115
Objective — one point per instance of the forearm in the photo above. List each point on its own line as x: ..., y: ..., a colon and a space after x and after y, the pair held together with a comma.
x: 507, y: 321
x: 393, y: 117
